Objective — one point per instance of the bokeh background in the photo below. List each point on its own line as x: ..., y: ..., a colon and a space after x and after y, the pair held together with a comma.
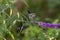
x: 19, y: 19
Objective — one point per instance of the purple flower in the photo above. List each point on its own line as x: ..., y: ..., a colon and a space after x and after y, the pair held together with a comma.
x: 56, y: 25
x: 42, y: 23
x: 49, y: 25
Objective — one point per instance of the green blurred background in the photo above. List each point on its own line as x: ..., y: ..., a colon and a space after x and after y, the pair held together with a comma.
x: 17, y: 19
